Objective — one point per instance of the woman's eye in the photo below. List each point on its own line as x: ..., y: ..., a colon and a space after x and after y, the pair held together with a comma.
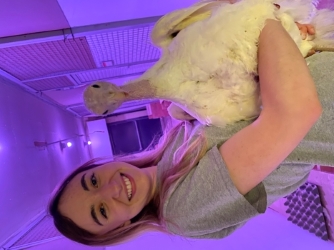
x: 103, y: 211
x: 93, y: 180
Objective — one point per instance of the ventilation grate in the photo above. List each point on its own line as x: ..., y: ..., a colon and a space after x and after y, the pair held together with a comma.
x: 123, y: 46
x: 47, y: 58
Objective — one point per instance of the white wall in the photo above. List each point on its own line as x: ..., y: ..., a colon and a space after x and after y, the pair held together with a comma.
x: 28, y: 174
x: 99, y: 136
x: 267, y: 232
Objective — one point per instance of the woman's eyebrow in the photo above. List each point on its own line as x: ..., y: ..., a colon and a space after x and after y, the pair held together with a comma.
x: 83, y: 183
x: 93, y: 214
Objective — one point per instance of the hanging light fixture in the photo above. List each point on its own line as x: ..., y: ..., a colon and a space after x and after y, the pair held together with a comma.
x: 87, y: 143
x: 64, y: 145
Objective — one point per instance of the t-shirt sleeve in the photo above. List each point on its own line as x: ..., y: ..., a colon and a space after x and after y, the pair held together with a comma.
x: 257, y: 197
x: 206, y: 204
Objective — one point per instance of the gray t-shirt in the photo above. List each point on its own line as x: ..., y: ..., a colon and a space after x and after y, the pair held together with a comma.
x: 206, y: 204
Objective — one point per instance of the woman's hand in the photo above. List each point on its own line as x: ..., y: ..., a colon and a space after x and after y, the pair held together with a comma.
x: 305, y: 31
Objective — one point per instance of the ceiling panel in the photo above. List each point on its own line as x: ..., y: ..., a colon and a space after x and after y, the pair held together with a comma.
x: 43, y: 59
x: 123, y: 46
x: 23, y: 17
x: 51, y: 83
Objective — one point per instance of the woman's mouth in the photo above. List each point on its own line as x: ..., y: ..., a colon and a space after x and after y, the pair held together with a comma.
x: 129, y: 184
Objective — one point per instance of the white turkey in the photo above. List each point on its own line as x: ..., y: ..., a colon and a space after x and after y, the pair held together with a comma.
x: 208, y: 65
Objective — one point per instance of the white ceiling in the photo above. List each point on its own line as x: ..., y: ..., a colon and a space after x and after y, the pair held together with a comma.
x: 88, y: 12
x: 30, y: 16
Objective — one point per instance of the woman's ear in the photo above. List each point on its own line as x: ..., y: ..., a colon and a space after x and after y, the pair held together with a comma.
x: 127, y: 223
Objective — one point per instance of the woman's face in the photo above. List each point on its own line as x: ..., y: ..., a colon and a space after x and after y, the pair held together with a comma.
x: 106, y: 197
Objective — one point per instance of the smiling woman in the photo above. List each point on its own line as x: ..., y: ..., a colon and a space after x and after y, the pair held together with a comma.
x: 105, y: 197
x: 107, y: 203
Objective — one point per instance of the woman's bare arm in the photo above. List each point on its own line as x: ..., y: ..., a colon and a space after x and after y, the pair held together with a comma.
x: 285, y: 81
x: 290, y: 109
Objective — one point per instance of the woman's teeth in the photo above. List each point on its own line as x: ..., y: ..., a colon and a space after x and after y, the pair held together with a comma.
x: 128, y: 186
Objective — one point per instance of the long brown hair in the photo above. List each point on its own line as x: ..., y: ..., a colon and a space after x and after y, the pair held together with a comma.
x: 151, y: 217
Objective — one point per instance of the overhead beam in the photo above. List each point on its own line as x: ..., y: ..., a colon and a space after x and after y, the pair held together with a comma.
x: 114, y: 26
x: 75, y: 32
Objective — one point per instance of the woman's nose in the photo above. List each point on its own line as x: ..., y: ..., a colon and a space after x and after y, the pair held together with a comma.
x: 111, y: 190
